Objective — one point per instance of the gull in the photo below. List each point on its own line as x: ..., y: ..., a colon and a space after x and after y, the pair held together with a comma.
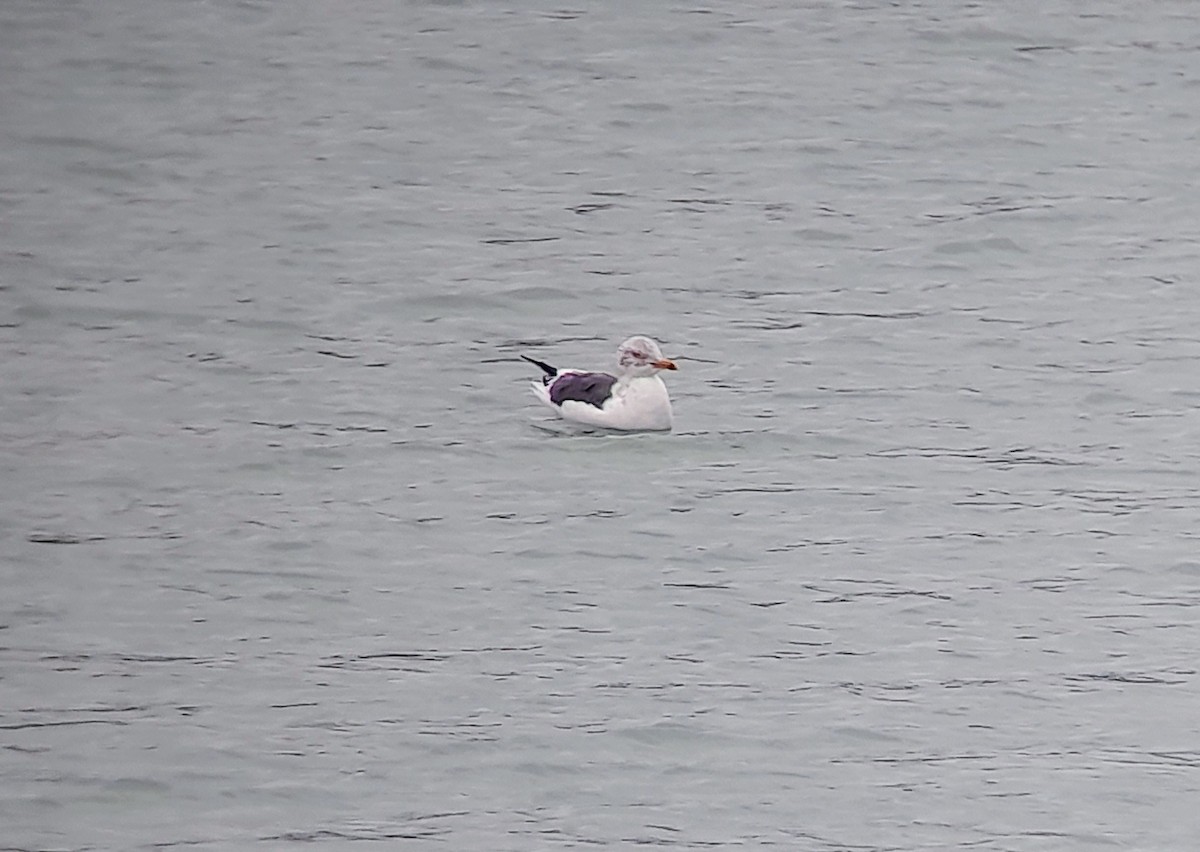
x: 635, y: 399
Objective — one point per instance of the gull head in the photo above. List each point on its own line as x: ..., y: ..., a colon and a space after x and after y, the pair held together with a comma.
x: 640, y: 356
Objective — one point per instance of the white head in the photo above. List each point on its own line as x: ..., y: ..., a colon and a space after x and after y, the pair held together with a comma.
x: 640, y: 356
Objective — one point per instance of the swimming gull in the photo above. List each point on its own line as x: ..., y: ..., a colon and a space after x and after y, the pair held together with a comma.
x: 635, y: 399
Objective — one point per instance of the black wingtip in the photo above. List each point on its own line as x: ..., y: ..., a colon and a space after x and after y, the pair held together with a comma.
x: 546, y: 368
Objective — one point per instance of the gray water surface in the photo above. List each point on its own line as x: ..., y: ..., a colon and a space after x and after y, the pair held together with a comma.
x: 289, y: 554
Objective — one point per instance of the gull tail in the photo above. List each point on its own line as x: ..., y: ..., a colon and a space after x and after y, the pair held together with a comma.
x: 543, y: 394
x: 541, y: 388
x: 550, y: 372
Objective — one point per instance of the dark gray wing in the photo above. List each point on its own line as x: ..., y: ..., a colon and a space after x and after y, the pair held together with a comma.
x: 592, y: 388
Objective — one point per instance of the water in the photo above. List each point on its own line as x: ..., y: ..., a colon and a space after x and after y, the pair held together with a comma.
x: 289, y: 555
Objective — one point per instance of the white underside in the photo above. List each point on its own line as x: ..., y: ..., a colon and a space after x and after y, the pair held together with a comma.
x: 639, y: 404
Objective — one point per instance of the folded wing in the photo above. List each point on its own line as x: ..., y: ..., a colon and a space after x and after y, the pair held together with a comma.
x: 591, y: 388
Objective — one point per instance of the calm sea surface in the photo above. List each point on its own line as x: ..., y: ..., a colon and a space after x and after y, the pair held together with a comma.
x: 289, y: 556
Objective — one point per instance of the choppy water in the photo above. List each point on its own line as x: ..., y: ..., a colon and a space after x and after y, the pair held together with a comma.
x: 286, y: 557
